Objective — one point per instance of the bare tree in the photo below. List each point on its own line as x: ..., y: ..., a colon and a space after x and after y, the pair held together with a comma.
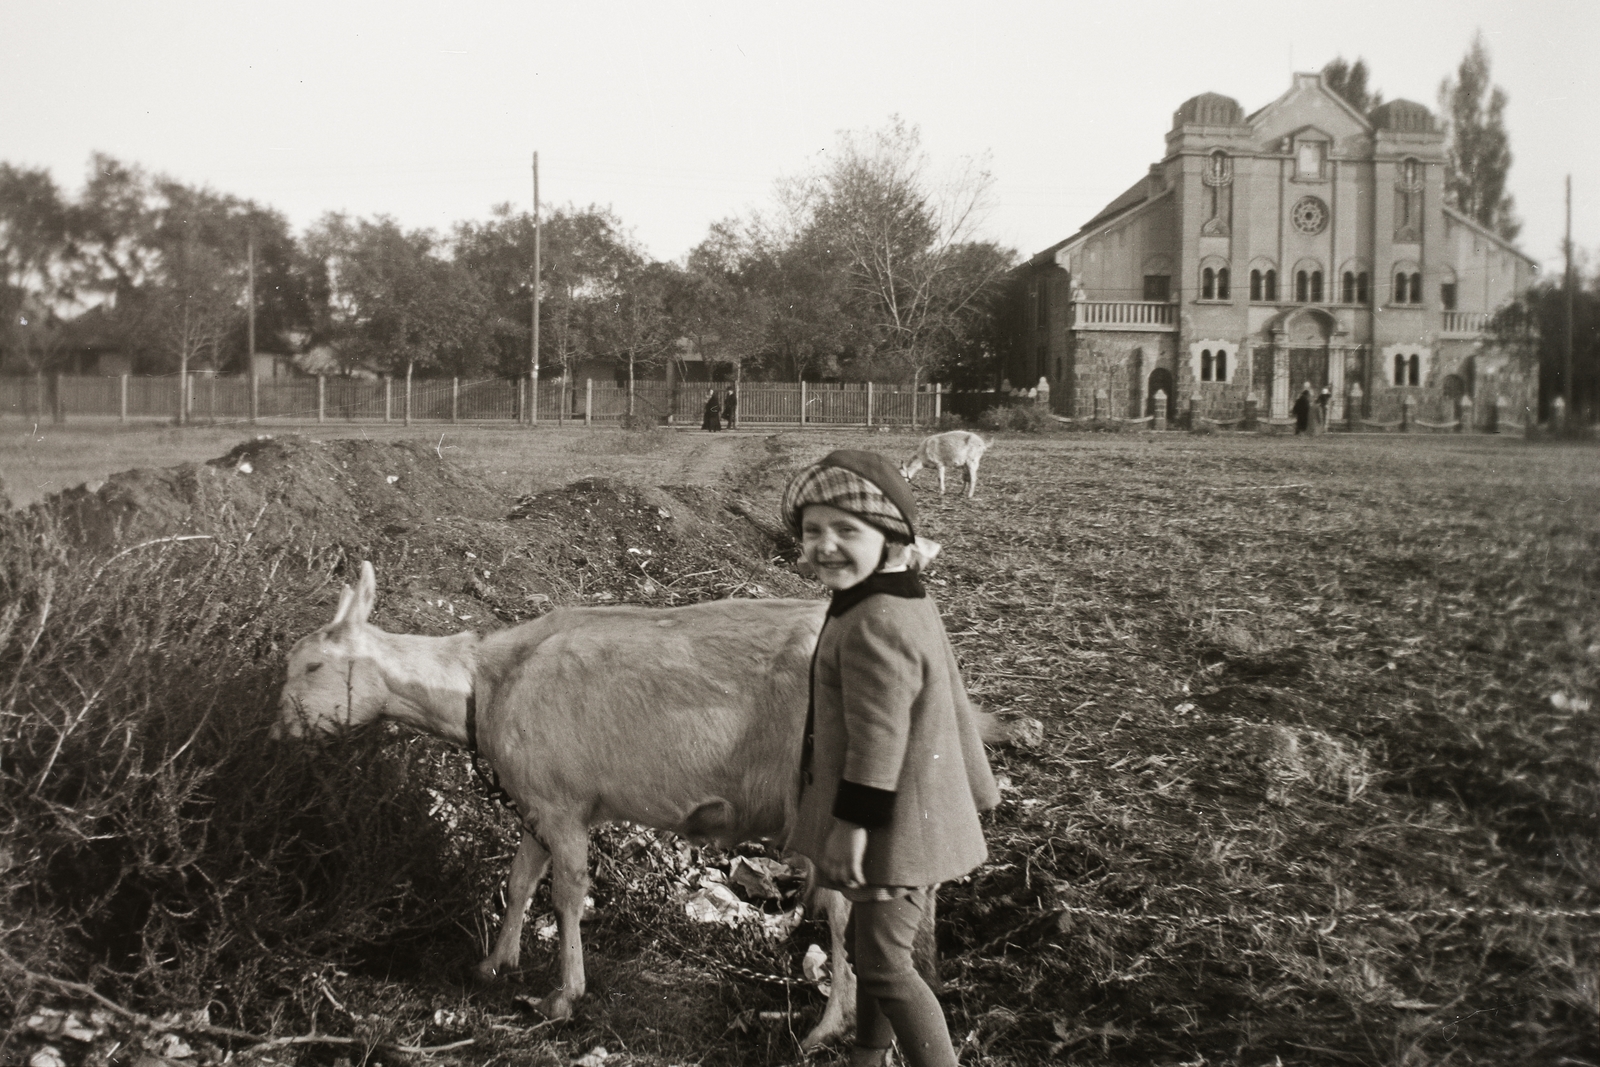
x: 905, y: 241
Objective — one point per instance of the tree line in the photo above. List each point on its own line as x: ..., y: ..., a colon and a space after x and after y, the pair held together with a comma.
x: 869, y: 267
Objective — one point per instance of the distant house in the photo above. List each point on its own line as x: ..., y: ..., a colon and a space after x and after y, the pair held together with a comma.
x: 1305, y: 244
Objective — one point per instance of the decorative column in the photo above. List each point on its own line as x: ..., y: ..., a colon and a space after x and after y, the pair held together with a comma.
x: 1337, y: 354
x: 1280, y: 380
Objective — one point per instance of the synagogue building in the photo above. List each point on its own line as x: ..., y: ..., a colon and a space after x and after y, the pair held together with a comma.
x: 1305, y: 245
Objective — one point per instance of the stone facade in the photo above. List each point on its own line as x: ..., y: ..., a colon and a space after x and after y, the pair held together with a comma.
x: 1303, y: 245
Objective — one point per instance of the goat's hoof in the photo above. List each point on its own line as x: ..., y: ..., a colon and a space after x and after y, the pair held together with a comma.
x: 485, y: 973
x: 557, y: 1007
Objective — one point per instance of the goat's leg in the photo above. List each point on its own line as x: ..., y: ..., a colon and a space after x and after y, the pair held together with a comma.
x: 838, y: 1018
x: 526, y: 870
x: 569, y: 882
x: 941, y: 479
x: 972, y: 479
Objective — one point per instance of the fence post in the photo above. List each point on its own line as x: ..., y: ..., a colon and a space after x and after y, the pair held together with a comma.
x: 408, y: 394
x: 455, y: 397
x: 211, y: 398
x: 938, y: 400
x: 1408, y: 413
x: 122, y: 398
x: 588, y: 401
x: 322, y: 399
x: 802, y: 401
x: 869, y: 405
x: 388, y: 396
x: 58, y: 403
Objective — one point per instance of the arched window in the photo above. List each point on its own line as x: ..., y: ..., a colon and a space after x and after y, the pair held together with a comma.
x: 1347, y: 292
x: 1302, y: 287
x: 1255, y: 285
x: 1205, y: 365
x: 1222, y: 365
x: 1414, y: 370
x: 1416, y: 288
x: 1361, y: 288
x: 1272, y: 286
x: 1208, y: 284
x: 1401, y: 281
x: 1222, y: 283
x: 1399, y: 370
x: 1316, y: 287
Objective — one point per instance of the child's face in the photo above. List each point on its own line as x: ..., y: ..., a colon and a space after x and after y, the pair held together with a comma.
x: 843, y: 549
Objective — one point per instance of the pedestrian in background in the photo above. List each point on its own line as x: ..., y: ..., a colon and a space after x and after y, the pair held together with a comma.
x: 1302, y: 411
x: 713, y: 414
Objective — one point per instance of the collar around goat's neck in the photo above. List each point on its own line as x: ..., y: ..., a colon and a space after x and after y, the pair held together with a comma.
x: 472, y: 721
x: 891, y: 583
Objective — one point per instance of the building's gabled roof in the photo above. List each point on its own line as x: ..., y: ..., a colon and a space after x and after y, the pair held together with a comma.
x: 1299, y: 81
x: 1488, y: 235
x: 1135, y: 195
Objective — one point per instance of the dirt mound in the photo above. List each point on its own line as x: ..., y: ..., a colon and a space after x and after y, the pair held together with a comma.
x: 350, y: 491
x: 449, y: 548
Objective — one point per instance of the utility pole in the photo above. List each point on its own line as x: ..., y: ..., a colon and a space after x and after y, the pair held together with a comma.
x: 1566, y: 355
x: 533, y: 384
x: 250, y: 363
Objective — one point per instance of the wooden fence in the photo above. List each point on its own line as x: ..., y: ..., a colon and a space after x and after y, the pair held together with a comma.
x: 222, y: 399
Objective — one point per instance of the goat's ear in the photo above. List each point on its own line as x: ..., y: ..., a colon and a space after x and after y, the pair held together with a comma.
x: 366, y: 593
x: 343, y: 609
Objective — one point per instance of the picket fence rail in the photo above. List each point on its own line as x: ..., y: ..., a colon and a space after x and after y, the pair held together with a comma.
x: 211, y: 399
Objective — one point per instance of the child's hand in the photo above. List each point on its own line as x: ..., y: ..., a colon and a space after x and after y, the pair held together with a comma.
x: 842, y: 854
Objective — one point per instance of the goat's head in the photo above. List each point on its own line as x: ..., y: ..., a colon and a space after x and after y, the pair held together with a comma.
x: 333, y: 678
x: 909, y: 469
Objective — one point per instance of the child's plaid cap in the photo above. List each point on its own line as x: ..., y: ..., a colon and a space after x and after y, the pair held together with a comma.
x: 866, y: 484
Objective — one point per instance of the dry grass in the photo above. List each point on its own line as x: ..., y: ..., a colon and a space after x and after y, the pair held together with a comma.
x: 1319, y: 755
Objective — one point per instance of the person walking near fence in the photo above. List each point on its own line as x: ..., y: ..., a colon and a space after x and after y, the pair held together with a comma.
x: 713, y: 415
x: 893, y: 772
x: 728, y: 404
x: 1302, y: 411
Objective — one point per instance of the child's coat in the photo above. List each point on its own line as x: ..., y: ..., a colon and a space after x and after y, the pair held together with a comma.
x: 892, y: 713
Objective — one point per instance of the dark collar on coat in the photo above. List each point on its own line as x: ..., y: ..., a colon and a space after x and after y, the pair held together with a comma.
x: 895, y: 583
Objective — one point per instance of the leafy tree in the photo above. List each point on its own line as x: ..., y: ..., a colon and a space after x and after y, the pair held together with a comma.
x: 713, y: 305
x: 1349, y: 80
x: 633, y: 325
x: 163, y: 266
x: 584, y: 254
x: 395, y: 302
x: 1533, y: 330
x: 35, y: 251
x: 1478, y: 147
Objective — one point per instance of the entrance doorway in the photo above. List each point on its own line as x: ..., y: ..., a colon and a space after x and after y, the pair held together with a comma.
x: 1307, y: 365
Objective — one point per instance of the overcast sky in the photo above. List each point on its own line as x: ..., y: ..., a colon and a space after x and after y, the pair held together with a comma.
x: 677, y: 115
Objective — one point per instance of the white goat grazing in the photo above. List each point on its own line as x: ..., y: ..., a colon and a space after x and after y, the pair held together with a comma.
x: 952, y: 449
x: 687, y: 719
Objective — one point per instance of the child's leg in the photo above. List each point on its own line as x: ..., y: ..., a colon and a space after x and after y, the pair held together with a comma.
x: 890, y: 996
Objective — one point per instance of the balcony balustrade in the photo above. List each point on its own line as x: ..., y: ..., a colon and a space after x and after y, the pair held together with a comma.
x: 1466, y: 323
x: 1142, y: 315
